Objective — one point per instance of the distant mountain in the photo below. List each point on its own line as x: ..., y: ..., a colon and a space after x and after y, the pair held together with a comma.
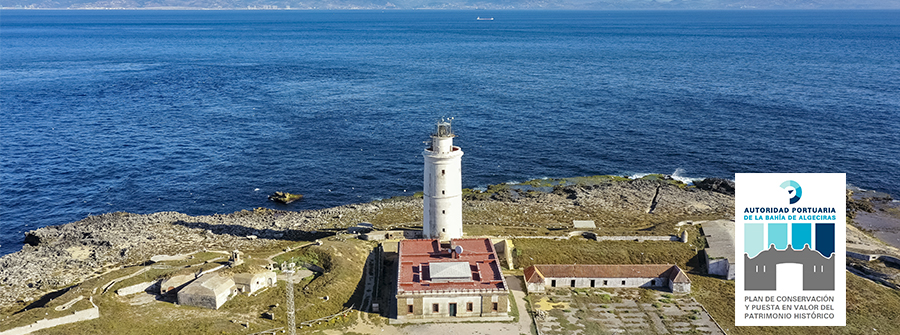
x: 457, y: 4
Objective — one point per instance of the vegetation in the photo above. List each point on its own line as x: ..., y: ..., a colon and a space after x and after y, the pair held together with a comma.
x: 584, y: 251
x: 513, y: 307
x: 343, y: 262
x: 869, y: 306
x: 646, y: 296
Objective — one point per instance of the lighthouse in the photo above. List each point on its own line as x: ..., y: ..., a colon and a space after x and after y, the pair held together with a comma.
x: 442, y: 219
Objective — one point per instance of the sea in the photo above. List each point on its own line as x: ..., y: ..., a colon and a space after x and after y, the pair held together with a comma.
x: 206, y: 112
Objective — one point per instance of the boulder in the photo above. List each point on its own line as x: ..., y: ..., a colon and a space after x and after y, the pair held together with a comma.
x: 720, y: 185
x: 284, y: 197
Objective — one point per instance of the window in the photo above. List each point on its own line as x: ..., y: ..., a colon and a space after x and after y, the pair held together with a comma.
x: 469, y: 307
x: 494, y: 306
x: 605, y: 282
x: 409, y: 309
x: 623, y: 282
x: 443, y: 192
x: 553, y: 283
x: 443, y: 211
x: 443, y: 172
x: 435, y: 308
x: 592, y: 283
x: 572, y: 284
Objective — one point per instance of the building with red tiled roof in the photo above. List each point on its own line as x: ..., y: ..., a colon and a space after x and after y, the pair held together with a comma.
x: 456, y: 281
x: 539, y: 277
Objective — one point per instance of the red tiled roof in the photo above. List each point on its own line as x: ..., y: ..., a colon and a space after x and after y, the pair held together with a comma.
x: 678, y: 276
x: 533, y: 275
x: 415, y: 256
x: 537, y: 273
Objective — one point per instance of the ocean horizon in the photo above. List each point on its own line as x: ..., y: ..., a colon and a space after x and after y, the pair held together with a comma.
x: 205, y: 112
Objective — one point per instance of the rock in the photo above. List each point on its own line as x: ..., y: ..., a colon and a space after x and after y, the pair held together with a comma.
x: 62, y: 255
x: 284, y: 197
x: 720, y: 185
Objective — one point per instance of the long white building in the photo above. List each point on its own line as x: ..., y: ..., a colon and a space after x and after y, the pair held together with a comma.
x: 442, y: 219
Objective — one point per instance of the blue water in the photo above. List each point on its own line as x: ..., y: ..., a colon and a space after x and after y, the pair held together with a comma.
x: 207, y: 112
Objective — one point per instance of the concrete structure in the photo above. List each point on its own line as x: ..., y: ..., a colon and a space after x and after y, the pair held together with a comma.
x: 457, y: 281
x: 860, y: 256
x: 361, y: 228
x: 235, y: 259
x: 251, y: 282
x: 209, y: 291
x: 505, y: 248
x: 83, y: 315
x: 539, y: 277
x: 584, y: 224
x: 442, y: 218
x: 719, y: 256
x: 136, y: 288
x: 172, y: 284
x: 380, y: 235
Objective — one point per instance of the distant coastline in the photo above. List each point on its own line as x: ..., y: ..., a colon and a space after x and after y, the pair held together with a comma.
x: 363, y: 5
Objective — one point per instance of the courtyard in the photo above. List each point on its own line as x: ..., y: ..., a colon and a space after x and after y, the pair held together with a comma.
x: 619, y: 311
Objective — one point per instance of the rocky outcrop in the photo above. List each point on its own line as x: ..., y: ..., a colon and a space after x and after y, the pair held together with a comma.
x: 720, y: 185
x: 58, y: 256
x: 284, y: 197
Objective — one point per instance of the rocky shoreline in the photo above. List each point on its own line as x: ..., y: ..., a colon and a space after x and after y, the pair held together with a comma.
x: 56, y: 257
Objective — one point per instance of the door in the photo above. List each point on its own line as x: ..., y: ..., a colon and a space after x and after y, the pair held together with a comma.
x: 453, y: 309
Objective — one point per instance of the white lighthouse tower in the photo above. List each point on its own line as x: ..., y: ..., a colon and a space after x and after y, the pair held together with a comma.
x: 442, y: 219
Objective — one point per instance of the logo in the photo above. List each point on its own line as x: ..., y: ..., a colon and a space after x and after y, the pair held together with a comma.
x: 793, y: 189
x: 789, y: 256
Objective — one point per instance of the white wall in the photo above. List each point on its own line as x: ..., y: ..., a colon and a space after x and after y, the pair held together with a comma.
x: 87, y: 314
x: 136, y: 288
x: 720, y: 267
x: 442, y: 179
x: 610, y: 282
x: 443, y: 303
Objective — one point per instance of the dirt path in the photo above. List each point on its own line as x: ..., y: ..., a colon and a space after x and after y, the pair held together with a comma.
x: 515, y: 285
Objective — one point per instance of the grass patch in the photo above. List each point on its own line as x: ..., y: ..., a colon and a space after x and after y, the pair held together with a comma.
x: 513, y: 307
x: 342, y: 260
x: 869, y: 306
x: 646, y: 296
x: 564, y: 323
x: 596, y: 298
x: 582, y: 251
